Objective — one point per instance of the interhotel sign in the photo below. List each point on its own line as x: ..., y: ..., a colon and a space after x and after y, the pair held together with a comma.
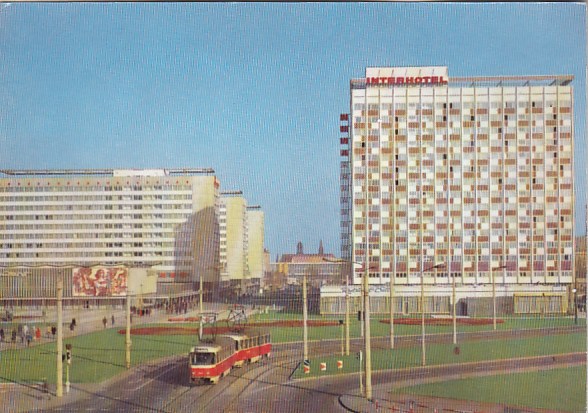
x: 406, y: 80
x: 391, y: 76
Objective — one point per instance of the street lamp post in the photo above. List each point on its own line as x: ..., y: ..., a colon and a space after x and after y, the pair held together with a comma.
x: 347, y: 316
x: 575, y: 306
x: 201, y: 308
x: 392, y: 281
x: 365, y: 325
x: 494, y: 294
x: 342, y: 341
x: 434, y: 267
x: 346, y: 326
x: 368, y: 350
x: 201, y: 298
x: 305, y: 316
x: 423, y: 318
x: 128, y: 332
x: 454, y: 313
x: 59, y: 388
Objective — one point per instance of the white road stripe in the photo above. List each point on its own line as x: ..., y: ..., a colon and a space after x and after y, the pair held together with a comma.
x: 146, y: 382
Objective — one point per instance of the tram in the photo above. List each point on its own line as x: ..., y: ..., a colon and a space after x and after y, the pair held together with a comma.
x: 209, y: 362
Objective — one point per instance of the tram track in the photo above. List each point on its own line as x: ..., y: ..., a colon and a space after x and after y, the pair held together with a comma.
x: 163, y: 386
x: 254, y: 377
x: 220, y: 396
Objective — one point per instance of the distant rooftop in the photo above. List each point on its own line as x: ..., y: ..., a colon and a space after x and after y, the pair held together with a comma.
x: 491, y: 81
x: 107, y: 172
x: 306, y: 258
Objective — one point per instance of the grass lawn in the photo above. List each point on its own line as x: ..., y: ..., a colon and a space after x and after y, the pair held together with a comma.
x: 100, y: 355
x: 379, y: 329
x: 96, y: 356
x: 443, y: 354
x: 558, y: 389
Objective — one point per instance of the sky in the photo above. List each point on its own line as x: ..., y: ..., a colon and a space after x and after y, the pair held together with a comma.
x: 252, y: 90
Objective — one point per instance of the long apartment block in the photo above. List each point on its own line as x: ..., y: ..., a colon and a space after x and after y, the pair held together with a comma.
x: 162, y: 219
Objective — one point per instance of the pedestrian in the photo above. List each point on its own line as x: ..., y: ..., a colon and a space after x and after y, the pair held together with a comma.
x: 38, y: 334
x: 112, y: 319
x: 53, y: 331
x: 48, y: 332
x: 13, y: 335
x: 104, y: 321
x: 1, y: 334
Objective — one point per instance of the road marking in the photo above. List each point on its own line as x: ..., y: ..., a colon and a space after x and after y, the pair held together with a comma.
x: 143, y: 384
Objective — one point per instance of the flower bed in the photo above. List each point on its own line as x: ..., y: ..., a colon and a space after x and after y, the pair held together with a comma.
x: 445, y: 321
x: 177, y: 330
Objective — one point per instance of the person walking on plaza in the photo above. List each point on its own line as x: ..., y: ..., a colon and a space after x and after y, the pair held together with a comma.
x: 1, y: 334
x: 112, y: 319
x: 38, y: 334
x: 104, y: 321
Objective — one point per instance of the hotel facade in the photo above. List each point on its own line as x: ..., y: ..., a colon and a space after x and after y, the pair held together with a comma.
x: 473, y: 175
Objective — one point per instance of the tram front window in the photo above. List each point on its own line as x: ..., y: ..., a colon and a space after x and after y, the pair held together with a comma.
x: 202, y: 358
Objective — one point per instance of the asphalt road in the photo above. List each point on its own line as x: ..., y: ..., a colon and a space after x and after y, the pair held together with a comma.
x: 266, y: 386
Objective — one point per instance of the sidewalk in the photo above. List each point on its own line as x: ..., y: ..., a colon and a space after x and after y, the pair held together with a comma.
x: 89, y: 320
x: 383, y: 401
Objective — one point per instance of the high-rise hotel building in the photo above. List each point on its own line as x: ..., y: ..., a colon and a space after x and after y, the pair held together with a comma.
x: 164, y: 220
x: 472, y: 172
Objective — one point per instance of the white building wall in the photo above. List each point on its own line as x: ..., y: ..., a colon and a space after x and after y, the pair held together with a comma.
x: 233, y: 239
x: 256, y: 230
x: 126, y: 217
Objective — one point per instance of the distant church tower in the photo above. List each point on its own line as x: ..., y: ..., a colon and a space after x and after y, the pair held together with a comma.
x: 321, y: 249
x: 299, y: 249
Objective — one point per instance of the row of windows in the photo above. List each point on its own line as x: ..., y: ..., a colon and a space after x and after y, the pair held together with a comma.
x: 42, y: 187
x: 252, y: 342
x: 93, y: 207
x: 85, y: 254
x: 93, y: 198
x: 74, y: 217
x: 97, y: 228
x: 512, y: 102
x: 467, y: 116
x: 439, y: 274
x: 117, y: 244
